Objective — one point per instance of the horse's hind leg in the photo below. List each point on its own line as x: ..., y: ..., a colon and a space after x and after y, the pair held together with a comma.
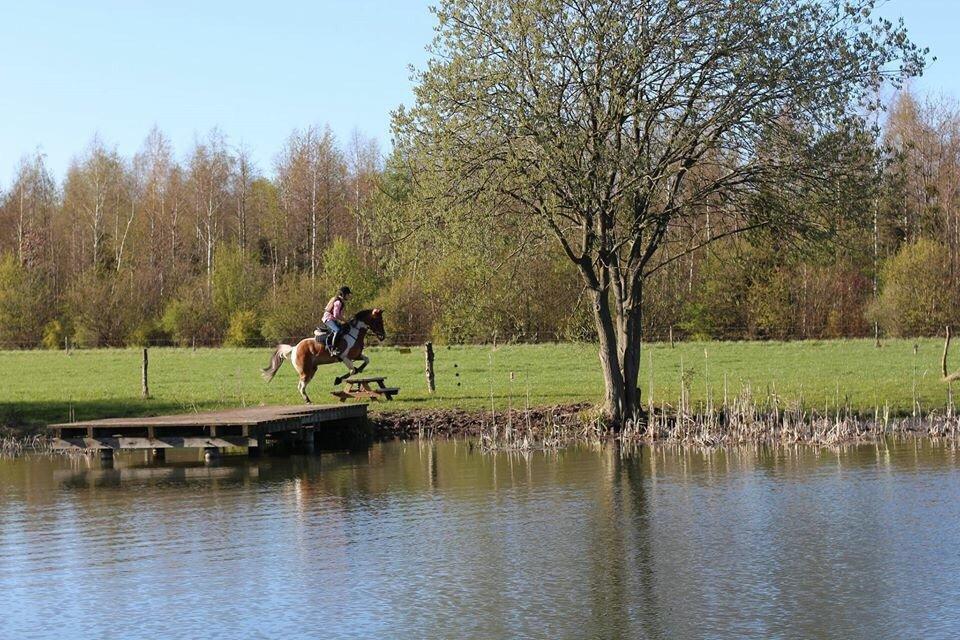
x: 305, y: 379
x: 302, y: 388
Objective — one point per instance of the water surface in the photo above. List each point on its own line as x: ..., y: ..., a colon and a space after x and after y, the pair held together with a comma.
x: 436, y: 540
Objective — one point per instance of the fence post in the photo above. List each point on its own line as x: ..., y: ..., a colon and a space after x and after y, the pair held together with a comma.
x: 145, y: 391
x: 431, y: 379
x: 671, y: 337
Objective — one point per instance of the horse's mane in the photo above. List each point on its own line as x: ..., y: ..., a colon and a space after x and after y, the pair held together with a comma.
x: 360, y: 315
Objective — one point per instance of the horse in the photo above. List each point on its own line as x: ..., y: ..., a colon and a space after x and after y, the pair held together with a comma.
x: 310, y: 353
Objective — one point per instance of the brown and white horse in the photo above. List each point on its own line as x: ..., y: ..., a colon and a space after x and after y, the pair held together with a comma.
x: 308, y: 354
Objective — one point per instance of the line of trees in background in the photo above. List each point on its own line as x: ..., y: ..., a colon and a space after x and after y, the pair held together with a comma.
x: 209, y: 250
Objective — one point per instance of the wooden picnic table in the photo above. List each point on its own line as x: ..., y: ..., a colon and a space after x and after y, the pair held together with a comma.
x: 369, y: 388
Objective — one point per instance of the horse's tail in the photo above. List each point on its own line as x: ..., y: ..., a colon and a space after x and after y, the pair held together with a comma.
x: 282, y: 353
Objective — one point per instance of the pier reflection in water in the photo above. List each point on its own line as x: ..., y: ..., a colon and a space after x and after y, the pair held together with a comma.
x: 434, y: 539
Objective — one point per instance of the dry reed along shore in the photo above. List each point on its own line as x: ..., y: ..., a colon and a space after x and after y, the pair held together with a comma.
x: 740, y: 420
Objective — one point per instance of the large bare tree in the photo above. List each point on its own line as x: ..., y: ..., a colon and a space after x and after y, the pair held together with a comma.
x: 33, y: 197
x: 613, y: 122
x: 310, y: 173
x: 211, y: 169
x: 95, y: 192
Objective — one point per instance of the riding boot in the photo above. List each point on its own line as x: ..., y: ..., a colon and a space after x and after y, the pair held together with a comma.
x: 333, y: 348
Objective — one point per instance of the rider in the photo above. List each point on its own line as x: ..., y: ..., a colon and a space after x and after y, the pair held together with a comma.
x: 333, y: 317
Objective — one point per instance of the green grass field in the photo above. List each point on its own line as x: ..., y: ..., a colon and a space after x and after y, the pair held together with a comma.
x: 38, y: 387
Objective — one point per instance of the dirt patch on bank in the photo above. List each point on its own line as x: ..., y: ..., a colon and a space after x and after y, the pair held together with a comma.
x: 427, y: 423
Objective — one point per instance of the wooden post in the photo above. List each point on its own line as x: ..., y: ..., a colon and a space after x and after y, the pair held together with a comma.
x: 431, y: 379
x: 671, y: 337
x: 257, y: 451
x: 145, y: 389
x: 308, y: 440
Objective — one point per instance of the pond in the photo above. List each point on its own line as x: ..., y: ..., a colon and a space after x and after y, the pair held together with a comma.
x: 438, y: 540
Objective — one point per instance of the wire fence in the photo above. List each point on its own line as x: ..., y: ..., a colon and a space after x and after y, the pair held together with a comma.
x: 668, y: 336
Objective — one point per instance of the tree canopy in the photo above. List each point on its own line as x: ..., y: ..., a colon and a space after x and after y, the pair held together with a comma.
x: 610, y: 122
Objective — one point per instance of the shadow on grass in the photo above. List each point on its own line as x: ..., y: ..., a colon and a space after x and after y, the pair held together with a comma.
x: 31, y: 417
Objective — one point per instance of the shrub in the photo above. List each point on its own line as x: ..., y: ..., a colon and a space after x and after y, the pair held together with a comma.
x: 407, y: 315
x: 917, y: 295
x: 294, y: 309
x: 238, y: 282
x: 191, y: 318
x: 771, y: 304
x: 148, y: 332
x: 718, y: 308
x: 343, y: 264
x: 244, y: 330
x: 104, y: 308
x: 54, y: 335
x: 463, y: 301
x: 25, y: 304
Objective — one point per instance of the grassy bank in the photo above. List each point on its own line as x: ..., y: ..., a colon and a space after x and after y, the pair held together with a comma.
x: 37, y: 387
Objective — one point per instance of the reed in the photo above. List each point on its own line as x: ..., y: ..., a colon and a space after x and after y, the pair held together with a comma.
x: 743, y: 419
x: 12, y: 446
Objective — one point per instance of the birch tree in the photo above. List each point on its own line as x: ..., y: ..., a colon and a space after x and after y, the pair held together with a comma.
x: 363, y: 167
x: 310, y: 172
x: 93, y: 193
x: 33, y: 197
x: 211, y: 169
x: 243, y: 179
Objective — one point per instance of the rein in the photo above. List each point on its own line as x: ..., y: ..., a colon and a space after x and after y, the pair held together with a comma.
x: 353, y: 331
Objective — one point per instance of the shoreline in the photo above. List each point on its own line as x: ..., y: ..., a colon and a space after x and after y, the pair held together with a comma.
x: 738, y: 424
x: 556, y: 426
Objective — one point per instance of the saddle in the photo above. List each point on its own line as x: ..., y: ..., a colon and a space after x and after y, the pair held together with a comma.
x: 322, y: 335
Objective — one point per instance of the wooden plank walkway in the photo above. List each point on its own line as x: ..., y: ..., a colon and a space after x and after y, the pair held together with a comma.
x: 247, y: 427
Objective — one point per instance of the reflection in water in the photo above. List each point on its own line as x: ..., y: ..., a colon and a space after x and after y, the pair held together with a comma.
x: 433, y: 539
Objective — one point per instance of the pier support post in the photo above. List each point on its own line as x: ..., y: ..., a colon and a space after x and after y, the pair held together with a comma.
x: 308, y: 441
x: 257, y: 451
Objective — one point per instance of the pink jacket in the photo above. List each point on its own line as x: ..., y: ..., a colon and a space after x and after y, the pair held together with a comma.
x: 333, y: 310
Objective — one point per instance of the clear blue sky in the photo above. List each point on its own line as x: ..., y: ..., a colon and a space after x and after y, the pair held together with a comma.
x: 258, y: 70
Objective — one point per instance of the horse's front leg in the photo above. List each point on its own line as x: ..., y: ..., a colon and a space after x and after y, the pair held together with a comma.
x: 348, y: 363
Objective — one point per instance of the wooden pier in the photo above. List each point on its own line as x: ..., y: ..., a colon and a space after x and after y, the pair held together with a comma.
x: 248, y: 427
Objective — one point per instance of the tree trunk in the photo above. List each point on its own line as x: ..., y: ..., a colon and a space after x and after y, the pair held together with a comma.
x: 630, y: 341
x: 620, y: 346
x: 614, y: 399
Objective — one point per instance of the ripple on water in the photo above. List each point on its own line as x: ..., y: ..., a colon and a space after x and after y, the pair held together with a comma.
x: 435, y: 540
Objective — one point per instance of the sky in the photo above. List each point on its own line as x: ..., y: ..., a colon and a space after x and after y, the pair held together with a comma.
x: 72, y: 70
